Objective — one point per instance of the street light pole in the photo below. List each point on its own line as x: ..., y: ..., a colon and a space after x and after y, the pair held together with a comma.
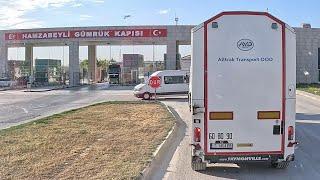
x: 120, y: 53
x: 176, y: 19
x: 110, y: 51
x: 153, y: 65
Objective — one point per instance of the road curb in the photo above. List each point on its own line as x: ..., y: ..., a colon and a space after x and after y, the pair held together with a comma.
x: 45, y: 90
x: 162, y: 155
x: 53, y: 89
x: 8, y: 89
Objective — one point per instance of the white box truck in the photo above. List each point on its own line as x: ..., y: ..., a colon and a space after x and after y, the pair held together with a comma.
x: 242, y: 90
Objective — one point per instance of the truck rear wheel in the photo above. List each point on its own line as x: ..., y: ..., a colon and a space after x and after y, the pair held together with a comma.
x: 199, y: 166
x: 280, y: 165
x: 146, y: 96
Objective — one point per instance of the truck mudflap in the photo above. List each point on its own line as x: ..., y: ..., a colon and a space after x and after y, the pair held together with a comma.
x: 242, y: 158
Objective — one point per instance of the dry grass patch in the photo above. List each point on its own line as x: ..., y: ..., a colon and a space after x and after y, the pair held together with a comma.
x: 310, y: 88
x: 104, y: 141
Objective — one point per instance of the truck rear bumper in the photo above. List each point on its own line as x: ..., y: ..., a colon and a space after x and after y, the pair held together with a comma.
x: 242, y: 158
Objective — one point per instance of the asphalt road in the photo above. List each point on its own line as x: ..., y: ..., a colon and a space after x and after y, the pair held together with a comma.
x: 18, y: 107
x: 306, y: 166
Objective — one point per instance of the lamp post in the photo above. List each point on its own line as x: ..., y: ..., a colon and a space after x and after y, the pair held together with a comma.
x: 153, y: 65
x: 176, y: 19
x: 109, y: 51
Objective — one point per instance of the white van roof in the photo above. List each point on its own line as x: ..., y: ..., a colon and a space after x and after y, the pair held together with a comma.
x: 169, y: 72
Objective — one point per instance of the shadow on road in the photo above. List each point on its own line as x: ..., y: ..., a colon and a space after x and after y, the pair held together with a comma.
x: 101, y: 86
x: 244, y: 171
x: 307, y: 116
x: 173, y: 99
x: 116, y: 87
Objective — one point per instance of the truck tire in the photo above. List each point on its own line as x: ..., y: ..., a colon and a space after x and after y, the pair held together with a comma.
x: 280, y: 165
x: 146, y: 96
x: 199, y: 166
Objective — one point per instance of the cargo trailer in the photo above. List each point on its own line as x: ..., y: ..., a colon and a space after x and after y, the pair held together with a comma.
x: 242, y: 90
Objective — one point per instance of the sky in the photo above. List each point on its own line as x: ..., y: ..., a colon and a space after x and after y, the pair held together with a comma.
x: 17, y: 14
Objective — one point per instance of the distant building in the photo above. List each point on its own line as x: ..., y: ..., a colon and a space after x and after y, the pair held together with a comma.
x: 47, y: 71
x: 177, y: 60
x: 308, y: 54
x: 132, y: 68
x: 185, y: 63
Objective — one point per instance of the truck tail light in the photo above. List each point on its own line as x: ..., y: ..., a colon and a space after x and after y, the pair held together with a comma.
x: 290, y: 133
x: 197, y: 134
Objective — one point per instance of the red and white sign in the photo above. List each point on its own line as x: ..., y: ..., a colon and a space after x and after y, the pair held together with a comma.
x: 98, y: 33
x: 154, y: 82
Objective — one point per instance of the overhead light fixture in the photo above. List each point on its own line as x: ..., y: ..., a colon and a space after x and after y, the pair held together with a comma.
x: 214, y: 24
x: 274, y: 26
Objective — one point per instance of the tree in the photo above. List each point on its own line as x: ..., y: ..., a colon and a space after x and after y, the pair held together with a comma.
x: 150, y: 68
x: 84, y: 64
x: 102, y: 63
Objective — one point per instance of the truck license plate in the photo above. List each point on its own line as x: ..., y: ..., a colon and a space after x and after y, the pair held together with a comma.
x: 221, y: 146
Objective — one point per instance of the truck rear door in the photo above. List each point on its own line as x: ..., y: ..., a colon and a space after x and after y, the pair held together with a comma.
x: 243, y: 85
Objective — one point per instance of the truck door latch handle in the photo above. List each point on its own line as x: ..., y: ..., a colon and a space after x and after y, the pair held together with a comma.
x: 197, y: 109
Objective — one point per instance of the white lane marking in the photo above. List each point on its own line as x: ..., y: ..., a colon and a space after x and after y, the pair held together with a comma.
x: 308, y: 121
x: 25, y: 110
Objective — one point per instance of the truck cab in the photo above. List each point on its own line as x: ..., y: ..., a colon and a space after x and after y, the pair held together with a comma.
x: 114, y: 73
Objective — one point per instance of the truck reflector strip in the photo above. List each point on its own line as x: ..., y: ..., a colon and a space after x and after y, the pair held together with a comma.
x: 268, y: 114
x: 221, y: 115
x: 244, y: 144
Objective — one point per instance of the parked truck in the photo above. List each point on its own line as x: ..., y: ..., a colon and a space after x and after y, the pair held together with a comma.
x: 114, y: 73
x: 242, y: 90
